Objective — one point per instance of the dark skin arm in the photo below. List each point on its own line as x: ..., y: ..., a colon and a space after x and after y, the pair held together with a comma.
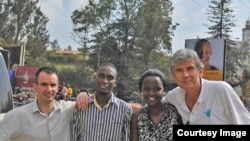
x: 134, y: 127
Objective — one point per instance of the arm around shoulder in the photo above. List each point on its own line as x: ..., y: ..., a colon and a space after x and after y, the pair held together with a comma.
x: 82, y: 100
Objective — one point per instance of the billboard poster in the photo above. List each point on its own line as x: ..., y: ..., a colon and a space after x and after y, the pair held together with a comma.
x: 211, y: 51
x: 25, y: 77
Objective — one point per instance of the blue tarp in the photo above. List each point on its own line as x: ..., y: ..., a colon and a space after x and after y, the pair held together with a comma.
x: 12, y: 79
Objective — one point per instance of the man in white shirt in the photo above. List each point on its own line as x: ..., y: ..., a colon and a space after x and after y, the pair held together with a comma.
x: 201, y: 101
x: 45, y: 119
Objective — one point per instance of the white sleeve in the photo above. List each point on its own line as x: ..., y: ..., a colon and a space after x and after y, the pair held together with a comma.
x: 9, y: 126
x: 239, y: 113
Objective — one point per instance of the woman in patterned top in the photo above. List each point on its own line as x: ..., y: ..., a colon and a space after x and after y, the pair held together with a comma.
x: 155, y: 121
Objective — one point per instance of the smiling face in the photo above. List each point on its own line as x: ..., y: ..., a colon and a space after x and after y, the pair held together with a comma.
x: 152, y: 90
x: 105, y: 80
x: 46, y: 87
x: 187, y: 75
x: 206, y: 53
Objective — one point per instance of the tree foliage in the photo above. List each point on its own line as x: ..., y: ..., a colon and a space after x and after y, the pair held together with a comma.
x: 125, y: 32
x: 55, y: 45
x: 132, y: 34
x: 154, y: 27
x: 220, y: 14
x: 23, y: 23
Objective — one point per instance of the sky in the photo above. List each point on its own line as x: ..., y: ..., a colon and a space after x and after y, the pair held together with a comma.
x: 190, y: 14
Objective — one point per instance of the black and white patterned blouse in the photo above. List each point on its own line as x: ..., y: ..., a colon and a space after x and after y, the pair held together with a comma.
x: 148, y: 131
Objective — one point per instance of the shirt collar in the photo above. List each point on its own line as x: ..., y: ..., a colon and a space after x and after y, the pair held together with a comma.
x: 181, y: 93
x: 112, y: 100
x: 57, y: 106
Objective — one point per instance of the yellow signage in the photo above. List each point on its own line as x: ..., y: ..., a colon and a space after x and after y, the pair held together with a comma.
x: 213, y: 74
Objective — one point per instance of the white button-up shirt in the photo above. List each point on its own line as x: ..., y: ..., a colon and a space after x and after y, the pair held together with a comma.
x: 27, y: 123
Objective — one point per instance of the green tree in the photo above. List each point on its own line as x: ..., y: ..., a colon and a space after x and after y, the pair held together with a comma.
x: 112, y: 39
x: 22, y: 23
x: 16, y: 15
x: 38, y: 40
x: 55, y: 45
x: 111, y: 31
x: 69, y: 48
x: 4, y: 22
x: 220, y: 14
x: 154, y: 27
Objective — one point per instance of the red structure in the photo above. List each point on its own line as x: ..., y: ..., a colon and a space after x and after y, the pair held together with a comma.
x: 25, y: 76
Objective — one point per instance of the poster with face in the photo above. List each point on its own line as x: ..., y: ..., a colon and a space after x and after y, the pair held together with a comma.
x: 211, y: 51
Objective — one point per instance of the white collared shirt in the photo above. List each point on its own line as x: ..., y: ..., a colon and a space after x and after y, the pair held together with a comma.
x: 27, y: 123
x: 218, y: 103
